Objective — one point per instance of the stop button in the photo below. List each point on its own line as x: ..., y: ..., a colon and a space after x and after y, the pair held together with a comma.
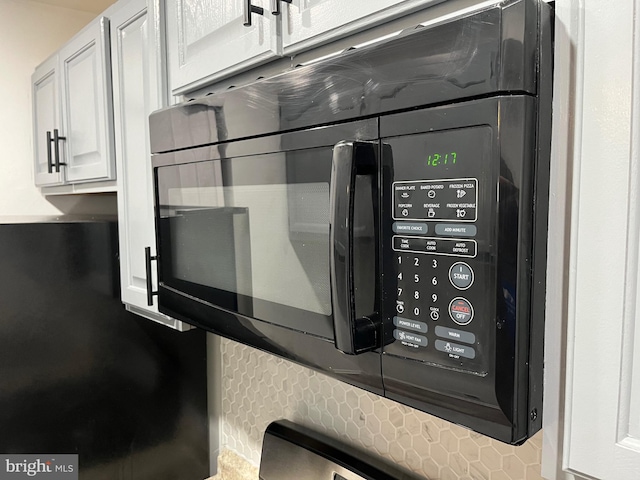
x: 461, y: 311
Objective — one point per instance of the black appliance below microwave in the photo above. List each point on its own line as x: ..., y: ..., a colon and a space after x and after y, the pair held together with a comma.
x: 379, y: 215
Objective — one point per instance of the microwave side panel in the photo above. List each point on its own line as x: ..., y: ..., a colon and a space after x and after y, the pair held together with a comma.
x: 457, y: 244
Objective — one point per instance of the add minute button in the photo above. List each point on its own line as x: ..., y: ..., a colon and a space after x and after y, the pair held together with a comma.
x: 456, y: 229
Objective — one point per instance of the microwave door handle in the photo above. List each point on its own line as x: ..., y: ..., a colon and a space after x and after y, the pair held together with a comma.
x: 352, y: 335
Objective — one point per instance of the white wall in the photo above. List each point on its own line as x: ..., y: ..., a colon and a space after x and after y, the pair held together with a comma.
x: 29, y: 33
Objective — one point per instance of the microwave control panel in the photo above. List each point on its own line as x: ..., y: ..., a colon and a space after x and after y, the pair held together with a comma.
x: 440, y: 285
x: 463, y: 242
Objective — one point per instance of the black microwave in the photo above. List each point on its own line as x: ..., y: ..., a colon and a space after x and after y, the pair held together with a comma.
x: 379, y: 215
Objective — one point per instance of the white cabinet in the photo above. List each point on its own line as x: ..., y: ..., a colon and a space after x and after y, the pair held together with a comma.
x: 72, y: 112
x: 87, y: 105
x: 603, y: 364
x: 46, y: 119
x: 138, y: 86
x: 592, y: 346
x: 207, y: 39
x: 308, y: 23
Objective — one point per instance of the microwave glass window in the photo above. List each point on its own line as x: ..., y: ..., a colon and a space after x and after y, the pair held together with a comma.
x: 249, y: 233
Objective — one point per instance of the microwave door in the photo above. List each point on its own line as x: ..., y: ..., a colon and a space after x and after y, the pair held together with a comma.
x: 289, y: 238
x: 231, y: 235
x: 250, y: 234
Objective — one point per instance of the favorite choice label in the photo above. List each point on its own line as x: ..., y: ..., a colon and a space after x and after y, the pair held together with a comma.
x: 50, y: 467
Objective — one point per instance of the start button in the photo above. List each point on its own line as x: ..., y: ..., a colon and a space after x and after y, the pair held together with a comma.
x: 461, y: 275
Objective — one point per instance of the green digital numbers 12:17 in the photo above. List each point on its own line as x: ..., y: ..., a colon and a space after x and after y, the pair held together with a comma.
x: 436, y: 159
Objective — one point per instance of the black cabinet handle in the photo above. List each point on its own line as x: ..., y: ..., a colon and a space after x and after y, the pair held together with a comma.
x: 250, y: 8
x: 56, y: 145
x: 353, y: 335
x: 276, y: 8
x: 49, y: 157
x: 147, y: 260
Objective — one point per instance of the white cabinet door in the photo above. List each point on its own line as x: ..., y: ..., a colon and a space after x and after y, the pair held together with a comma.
x: 45, y: 120
x: 137, y: 65
x: 596, y: 139
x: 308, y: 23
x: 206, y: 40
x: 87, y: 115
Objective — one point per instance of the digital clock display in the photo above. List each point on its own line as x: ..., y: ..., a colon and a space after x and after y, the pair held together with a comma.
x: 445, y: 158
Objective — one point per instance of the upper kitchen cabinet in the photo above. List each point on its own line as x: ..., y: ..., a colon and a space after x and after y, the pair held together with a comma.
x: 87, y: 104
x: 211, y: 39
x: 307, y: 23
x: 138, y: 89
x: 208, y: 40
x: 73, y: 114
x: 46, y: 122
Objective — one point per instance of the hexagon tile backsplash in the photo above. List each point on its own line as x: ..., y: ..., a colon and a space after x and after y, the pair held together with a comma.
x: 259, y: 388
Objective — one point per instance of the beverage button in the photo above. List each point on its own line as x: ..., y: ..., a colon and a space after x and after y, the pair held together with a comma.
x: 461, y: 275
x: 454, y: 350
x: 461, y: 311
